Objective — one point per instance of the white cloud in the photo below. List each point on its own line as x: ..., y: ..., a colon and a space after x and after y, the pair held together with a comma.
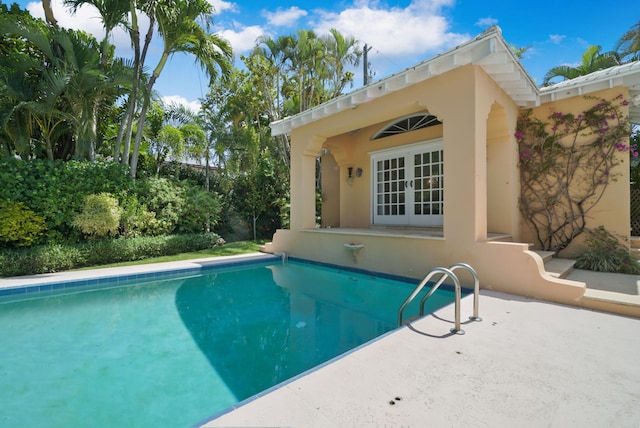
x: 486, y: 22
x: 88, y: 20
x: 86, y: 17
x: 220, y: 6
x: 419, y: 28
x: 194, y: 106
x: 556, y: 38
x: 284, y: 17
x: 242, y: 39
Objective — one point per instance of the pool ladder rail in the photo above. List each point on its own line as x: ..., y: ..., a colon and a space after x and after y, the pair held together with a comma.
x: 444, y: 274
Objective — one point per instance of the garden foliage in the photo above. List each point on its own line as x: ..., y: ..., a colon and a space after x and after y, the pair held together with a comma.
x: 56, y: 190
x: 59, y: 257
x: 19, y: 225
x: 604, y: 252
x: 118, y: 206
x: 100, y: 216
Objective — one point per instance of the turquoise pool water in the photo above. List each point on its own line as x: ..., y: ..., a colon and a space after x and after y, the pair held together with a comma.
x: 173, y: 352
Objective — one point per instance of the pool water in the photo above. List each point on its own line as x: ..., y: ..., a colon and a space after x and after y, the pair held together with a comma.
x: 171, y: 353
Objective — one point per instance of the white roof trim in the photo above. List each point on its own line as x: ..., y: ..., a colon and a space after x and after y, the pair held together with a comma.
x: 626, y: 75
x: 490, y: 51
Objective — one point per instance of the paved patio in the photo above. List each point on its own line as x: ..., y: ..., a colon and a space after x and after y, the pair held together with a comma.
x: 527, y: 364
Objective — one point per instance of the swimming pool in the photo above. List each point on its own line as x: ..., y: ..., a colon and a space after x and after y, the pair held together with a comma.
x: 173, y: 350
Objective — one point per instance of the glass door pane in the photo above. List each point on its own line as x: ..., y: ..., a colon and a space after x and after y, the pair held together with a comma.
x: 390, y: 205
x: 428, y: 185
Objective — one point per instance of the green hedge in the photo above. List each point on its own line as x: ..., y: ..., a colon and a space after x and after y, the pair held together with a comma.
x: 60, y: 257
x: 56, y: 190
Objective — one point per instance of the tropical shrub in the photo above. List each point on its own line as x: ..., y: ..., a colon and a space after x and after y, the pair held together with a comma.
x: 58, y: 257
x: 136, y: 219
x: 167, y: 199
x: 19, y: 225
x: 201, y: 210
x: 100, y: 216
x: 56, y: 190
x: 605, y: 252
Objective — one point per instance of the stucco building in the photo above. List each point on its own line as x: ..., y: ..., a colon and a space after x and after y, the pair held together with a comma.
x: 420, y: 169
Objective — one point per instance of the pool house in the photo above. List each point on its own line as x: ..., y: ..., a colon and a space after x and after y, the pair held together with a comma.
x: 420, y: 170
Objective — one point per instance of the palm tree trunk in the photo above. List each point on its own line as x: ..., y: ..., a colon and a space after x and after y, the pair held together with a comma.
x: 126, y: 125
x: 143, y: 112
x: 48, y: 13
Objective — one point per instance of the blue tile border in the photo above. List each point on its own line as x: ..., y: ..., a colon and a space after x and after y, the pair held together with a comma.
x: 393, y: 277
x: 113, y: 279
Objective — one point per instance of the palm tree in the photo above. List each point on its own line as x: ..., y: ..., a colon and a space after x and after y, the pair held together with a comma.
x: 68, y: 83
x: 629, y: 44
x: 178, y: 26
x: 592, y: 60
x: 89, y: 87
x: 306, y: 72
x: 341, y: 51
x: 113, y: 14
x: 519, y: 51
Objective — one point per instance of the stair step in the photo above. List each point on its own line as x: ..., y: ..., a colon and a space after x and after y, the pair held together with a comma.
x: 559, y: 268
x: 546, y: 255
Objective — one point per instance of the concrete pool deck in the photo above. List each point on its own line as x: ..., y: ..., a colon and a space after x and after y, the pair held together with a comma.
x: 528, y: 363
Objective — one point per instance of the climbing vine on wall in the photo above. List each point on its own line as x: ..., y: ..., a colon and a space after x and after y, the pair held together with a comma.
x: 566, y: 163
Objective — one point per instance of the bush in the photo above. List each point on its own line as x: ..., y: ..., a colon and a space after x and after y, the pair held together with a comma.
x: 56, y: 190
x: 54, y: 258
x: 166, y: 199
x: 19, y: 225
x: 100, y: 216
x: 136, y: 219
x: 605, y: 253
x: 40, y: 259
x: 201, y: 209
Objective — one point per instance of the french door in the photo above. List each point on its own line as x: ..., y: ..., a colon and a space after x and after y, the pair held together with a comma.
x: 408, y: 184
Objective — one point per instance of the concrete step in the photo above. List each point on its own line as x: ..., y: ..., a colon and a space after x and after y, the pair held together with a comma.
x: 499, y: 237
x: 545, y: 255
x: 554, y: 266
x: 559, y: 268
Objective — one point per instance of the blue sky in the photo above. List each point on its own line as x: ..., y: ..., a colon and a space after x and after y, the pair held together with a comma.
x: 401, y: 33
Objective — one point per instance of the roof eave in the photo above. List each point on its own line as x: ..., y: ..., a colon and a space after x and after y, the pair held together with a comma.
x: 488, y: 50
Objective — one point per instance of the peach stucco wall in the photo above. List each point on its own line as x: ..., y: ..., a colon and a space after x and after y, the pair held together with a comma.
x: 481, y: 188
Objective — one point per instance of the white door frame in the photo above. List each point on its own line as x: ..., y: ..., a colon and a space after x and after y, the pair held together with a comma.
x: 407, y: 185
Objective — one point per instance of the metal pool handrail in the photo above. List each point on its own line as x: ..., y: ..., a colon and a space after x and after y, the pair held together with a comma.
x: 476, y: 288
x: 435, y: 271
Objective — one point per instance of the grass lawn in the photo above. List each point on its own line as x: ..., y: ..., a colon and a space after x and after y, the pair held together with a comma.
x: 230, y: 249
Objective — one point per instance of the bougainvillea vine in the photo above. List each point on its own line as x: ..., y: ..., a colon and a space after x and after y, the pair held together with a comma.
x: 566, y: 164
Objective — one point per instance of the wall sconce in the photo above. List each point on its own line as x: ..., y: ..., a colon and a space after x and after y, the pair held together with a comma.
x: 351, y: 175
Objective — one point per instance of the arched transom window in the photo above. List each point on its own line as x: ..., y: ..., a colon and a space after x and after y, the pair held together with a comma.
x: 406, y: 124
